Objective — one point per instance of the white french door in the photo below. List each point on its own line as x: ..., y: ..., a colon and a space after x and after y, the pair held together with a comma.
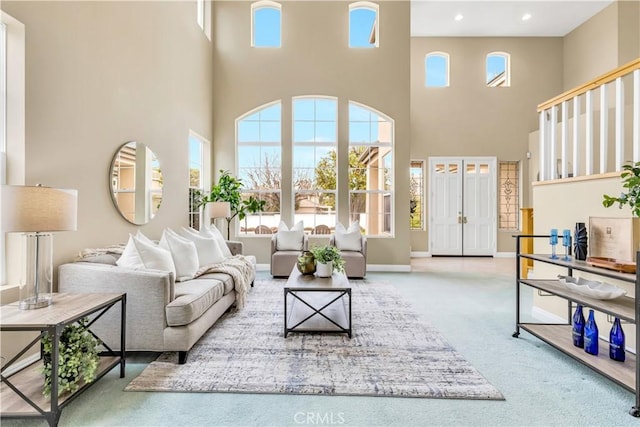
x: 462, y: 206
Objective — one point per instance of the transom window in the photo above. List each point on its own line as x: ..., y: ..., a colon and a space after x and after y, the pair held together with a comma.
x: 370, y: 170
x: 436, y: 69
x: 266, y: 17
x: 363, y: 25
x: 498, y: 69
x: 259, y: 165
x: 315, y: 136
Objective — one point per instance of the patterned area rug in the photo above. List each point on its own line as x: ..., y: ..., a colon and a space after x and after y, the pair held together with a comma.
x: 392, y: 353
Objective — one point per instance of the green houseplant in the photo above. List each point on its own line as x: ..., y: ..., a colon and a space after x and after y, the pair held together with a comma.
x: 328, y: 254
x: 77, y: 358
x: 631, y: 181
x: 229, y: 189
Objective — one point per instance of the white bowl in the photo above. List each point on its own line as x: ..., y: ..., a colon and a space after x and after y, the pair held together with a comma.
x: 591, y: 288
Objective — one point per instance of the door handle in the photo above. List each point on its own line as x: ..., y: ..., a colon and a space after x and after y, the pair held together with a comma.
x: 459, y: 219
x: 464, y: 220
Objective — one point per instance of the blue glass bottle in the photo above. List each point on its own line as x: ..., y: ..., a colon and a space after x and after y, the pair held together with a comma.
x: 591, y: 335
x: 616, y: 341
x: 578, y: 327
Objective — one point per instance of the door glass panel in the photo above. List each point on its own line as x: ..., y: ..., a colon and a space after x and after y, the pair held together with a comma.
x: 439, y: 168
x: 471, y: 168
x: 453, y: 168
x: 484, y: 168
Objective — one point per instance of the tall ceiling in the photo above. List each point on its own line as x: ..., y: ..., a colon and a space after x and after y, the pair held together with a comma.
x: 482, y: 18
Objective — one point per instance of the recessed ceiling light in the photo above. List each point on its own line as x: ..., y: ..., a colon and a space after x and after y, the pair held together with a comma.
x: 526, y: 16
x: 459, y: 17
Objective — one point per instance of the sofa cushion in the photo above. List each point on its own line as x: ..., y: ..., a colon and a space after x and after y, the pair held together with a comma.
x: 226, y: 280
x: 213, y: 233
x: 208, y: 250
x: 193, y: 298
x: 348, y: 239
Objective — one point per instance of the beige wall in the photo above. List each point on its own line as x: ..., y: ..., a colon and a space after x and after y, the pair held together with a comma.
x: 315, y: 60
x: 99, y: 74
x: 628, y: 31
x: 470, y: 119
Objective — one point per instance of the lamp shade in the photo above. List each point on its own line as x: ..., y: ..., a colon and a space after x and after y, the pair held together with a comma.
x: 220, y: 210
x: 39, y: 209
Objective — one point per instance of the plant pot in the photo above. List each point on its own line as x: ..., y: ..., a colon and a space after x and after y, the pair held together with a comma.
x: 324, y: 270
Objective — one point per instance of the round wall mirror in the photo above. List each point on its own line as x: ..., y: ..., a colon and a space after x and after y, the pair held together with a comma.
x: 136, y: 182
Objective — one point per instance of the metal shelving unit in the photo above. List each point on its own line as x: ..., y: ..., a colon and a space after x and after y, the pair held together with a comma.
x: 627, y: 373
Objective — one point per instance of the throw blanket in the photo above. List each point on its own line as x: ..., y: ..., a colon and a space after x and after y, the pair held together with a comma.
x: 238, y: 267
x: 109, y: 250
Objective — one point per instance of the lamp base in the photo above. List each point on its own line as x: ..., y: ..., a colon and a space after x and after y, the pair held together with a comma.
x: 34, y: 302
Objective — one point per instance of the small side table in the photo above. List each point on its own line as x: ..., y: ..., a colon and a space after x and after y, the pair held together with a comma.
x: 21, y: 392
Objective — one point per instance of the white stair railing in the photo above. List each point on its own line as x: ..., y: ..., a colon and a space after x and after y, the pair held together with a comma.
x: 567, y: 134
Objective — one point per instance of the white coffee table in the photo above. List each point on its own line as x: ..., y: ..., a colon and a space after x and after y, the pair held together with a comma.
x: 317, y: 304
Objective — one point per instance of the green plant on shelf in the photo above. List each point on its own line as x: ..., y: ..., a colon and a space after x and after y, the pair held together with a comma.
x: 631, y: 181
x: 324, y: 254
x: 77, y: 358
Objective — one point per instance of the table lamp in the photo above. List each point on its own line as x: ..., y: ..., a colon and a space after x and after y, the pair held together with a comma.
x: 38, y: 211
x: 220, y: 210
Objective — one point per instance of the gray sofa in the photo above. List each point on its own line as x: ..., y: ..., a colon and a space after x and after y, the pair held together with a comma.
x: 162, y: 315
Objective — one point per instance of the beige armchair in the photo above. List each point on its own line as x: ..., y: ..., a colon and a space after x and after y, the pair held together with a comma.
x: 283, y: 260
x: 355, y: 261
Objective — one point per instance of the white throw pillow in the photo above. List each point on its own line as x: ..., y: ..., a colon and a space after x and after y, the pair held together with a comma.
x: 348, y: 239
x: 145, y: 239
x: 140, y: 255
x: 298, y: 226
x: 214, y: 233
x: 208, y: 250
x: 183, y: 252
x: 292, y: 240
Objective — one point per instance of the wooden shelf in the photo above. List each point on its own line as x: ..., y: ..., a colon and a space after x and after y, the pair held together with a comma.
x: 559, y: 336
x: 622, y: 307
x: 30, y: 381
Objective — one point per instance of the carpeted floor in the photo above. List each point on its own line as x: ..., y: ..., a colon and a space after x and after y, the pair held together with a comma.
x: 393, y: 352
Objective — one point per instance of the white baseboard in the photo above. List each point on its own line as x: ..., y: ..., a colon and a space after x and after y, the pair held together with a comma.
x: 389, y: 267
x: 505, y: 255
x: 545, y: 316
x: 418, y: 254
x: 21, y: 364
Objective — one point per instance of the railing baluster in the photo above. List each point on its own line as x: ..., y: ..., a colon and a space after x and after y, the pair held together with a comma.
x: 636, y: 116
x: 604, y: 128
x: 589, y: 134
x: 576, y: 136
x: 619, y: 123
x: 553, y: 143
x: 563, y: 138
x: 543, y: 142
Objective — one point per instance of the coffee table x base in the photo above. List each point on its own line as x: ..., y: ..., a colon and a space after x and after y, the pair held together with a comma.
x: 299, y: 295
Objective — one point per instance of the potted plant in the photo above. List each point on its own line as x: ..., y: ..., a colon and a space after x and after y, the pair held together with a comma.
x: 631, y: 181
x: 228, y: 189
x: 77, y: 358
x: 327, y: 258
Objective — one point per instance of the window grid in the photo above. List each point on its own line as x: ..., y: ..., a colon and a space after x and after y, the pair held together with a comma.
x: 314, y: 157
x: 259, y: 166
x: 371, y: 170
x: 509, y: 195
x: 416, y: 191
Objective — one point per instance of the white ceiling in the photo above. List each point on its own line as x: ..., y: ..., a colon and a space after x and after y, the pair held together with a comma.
x: 500, y: 18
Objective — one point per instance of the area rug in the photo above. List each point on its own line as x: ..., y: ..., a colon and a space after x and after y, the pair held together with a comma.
x: 393, y: 352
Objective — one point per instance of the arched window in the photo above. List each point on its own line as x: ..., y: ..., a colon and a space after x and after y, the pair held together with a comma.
x: 266, y: 17
x: 371, y: 188
x: 258, y: 136
x: 436, y: 69
x: 315, y: 136
x: 498, y: 69
x: 364, y: 24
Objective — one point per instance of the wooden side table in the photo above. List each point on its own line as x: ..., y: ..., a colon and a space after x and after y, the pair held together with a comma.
x: 21, y: 392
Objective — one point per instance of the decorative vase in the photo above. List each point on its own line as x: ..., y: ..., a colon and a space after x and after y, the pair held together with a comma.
x: 591, y: 335
x: 324, y: 270
x: 578, y: 327
x: 306, y: 263
x: 616, y: 341
x: 580, y: 241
